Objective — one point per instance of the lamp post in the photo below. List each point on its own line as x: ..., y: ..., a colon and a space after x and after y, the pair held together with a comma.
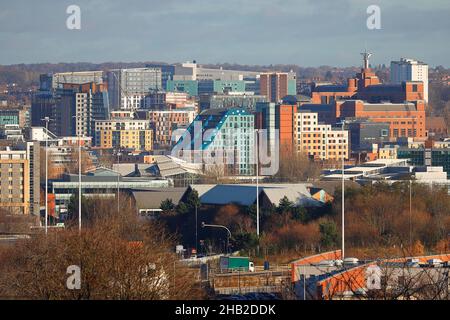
x: 410, y: 214
x: 46, y: 119
x: 204, y: 225
x: 196, y: 230
x: 118, y: 181
x: 343, y: 193
x: 257, y: 182
x: 78, y: 131
x: 79, y: 183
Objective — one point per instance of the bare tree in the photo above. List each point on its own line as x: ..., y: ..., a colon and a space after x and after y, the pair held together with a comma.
x: 120, y: 257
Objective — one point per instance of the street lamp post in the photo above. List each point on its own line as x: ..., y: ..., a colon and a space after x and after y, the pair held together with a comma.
x: 79, y: 183
x: 78, y: 130
x: 118, y: 181
x: 410, y: 214
x: 343, y: 193
x: 196, y: 230
x: 257, y: 183
x: 204, y: 225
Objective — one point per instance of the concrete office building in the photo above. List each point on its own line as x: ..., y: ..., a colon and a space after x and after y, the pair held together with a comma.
x: 202, y: 87
x: 79, y: 77
x: 193, y: 71
x: 365, y: 134
x: 243, y: 100
x: 410, y: 70
x: 167, y: 72
x: 19, y: 178
x: 127, y: 88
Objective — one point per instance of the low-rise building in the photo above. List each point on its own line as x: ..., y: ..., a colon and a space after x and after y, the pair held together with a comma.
x: 100, y: 183
x: 387, y: 152
x: 245, y: 194
x: 426, y: 156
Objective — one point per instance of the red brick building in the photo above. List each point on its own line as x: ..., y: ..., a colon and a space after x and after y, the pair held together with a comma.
x: 274, y: 86
x: 405, y: 119
x: 366, y: 86
x: 364, y: 96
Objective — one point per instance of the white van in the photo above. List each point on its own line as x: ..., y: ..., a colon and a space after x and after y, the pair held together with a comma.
x: 351, y: 261
x: 435, y: 262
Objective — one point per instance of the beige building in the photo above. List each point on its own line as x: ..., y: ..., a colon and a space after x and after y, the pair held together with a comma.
x: 388, y: 152
x: 20, y: 178
x: 124, y: 133
x: 320, y: 141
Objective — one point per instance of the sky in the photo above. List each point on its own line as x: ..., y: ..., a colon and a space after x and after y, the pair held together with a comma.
x: 257, y: 32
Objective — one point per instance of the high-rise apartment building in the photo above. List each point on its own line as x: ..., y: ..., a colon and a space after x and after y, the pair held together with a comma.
x: 19, y: 178
x: 164, y: 122
x: 72, y: 108
x: 220, y: 139
x: 410, y: 70
x: 91, y: 104
x: 271, y: 116
x: 127, y: 88
x: 276, y: 85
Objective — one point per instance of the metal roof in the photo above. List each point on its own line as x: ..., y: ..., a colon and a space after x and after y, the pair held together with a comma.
x: 152, y: 198
x: 245, y: 194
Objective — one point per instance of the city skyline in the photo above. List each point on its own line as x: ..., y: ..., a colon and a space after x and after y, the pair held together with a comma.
x: 266, y: 32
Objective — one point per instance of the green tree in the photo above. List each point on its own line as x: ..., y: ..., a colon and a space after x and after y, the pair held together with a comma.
x: 285, y: 205
x: 182, y: 208
x: 328, y: 234
x: 193, y: 200
x: 246, y: 240
x: 300, y: 214
x: 167, y: 206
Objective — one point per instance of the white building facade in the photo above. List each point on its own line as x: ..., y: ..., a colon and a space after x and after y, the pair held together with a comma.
x: 410, y: 70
